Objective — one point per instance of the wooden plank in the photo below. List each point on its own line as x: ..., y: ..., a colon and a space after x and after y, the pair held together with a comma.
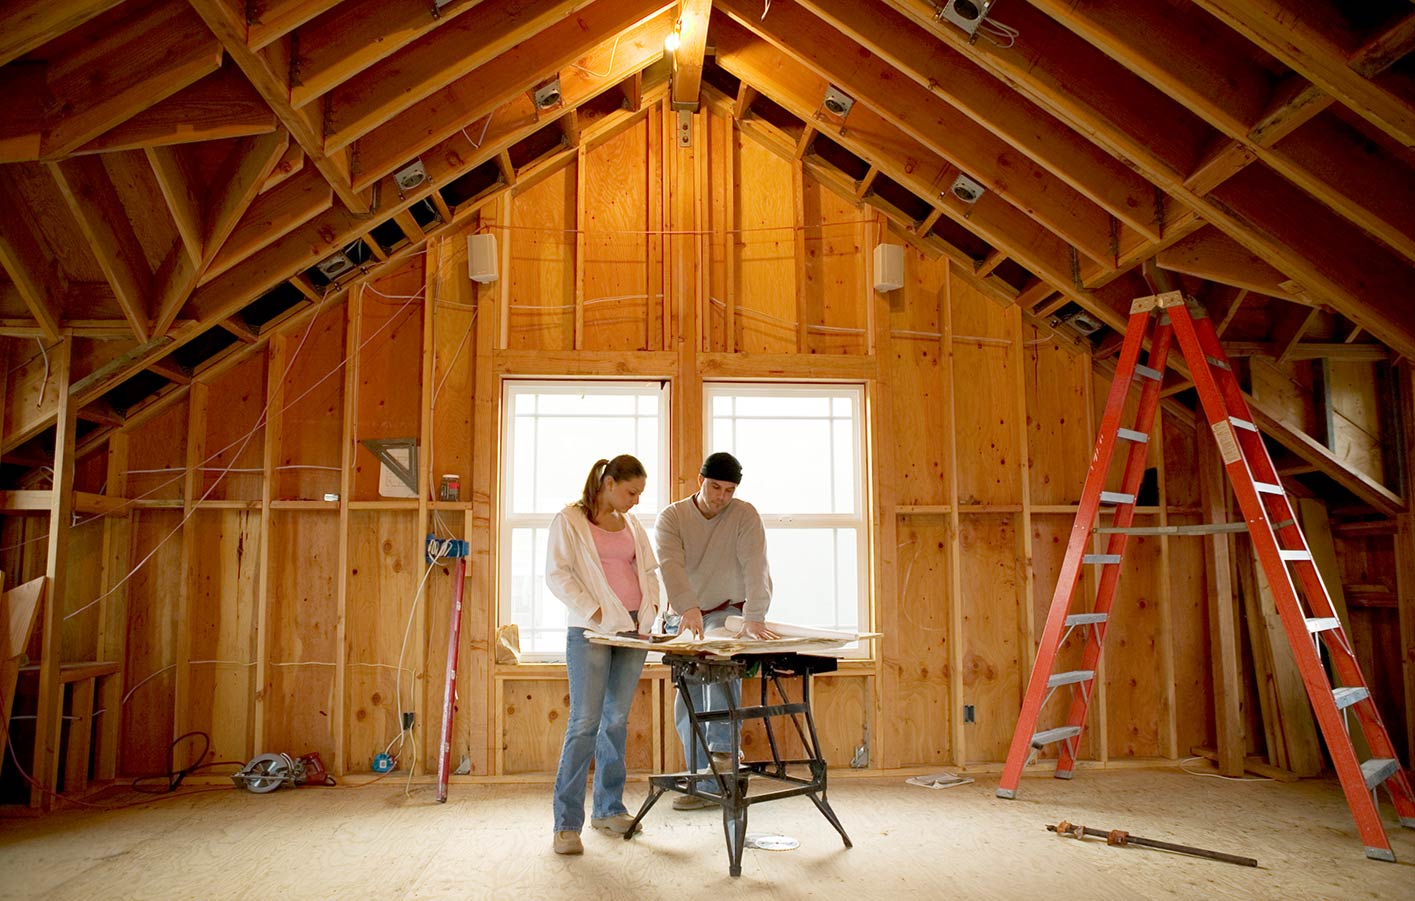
x: 49, y: 722
x: 139, y: 59
x: 1297, y: 729
x: 1316, y: 528
x: 221, y: 105
x: 271, y: 20
x: 271, y: 216
x: 33, y: 23
x: 688, y: 59
x: 80, y: 738
x: 89, y: 192
x: 1223, y: 614
x: 179, y: 191
x: 31, y: 267
x: 1313, y: 50
x: 587, y: 39
x: 111, y: 637
x: 463, y: 45
x: 19, y: 607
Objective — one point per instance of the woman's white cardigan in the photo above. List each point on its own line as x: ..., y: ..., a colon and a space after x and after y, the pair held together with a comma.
x: 575, y: 576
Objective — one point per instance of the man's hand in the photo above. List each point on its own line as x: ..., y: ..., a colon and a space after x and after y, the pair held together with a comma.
x: 756, y: 630
x: 691, y: 622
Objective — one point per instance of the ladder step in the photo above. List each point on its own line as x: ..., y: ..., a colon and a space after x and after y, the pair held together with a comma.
x: 1086, y: 619
x: 1242, y: 423
x: 1132, y: 435
x: 1117, y: 497
x: 1216, y: 363
x: 1323, y: 624
x: 1268, y: 488
x: 1079, y: 675
x: 1144, y: 371
x: 1345, y: 697
x: 1060, y: 733
x: 1374, y: 771
x: 1100, y: 559
x: 1294, y: 555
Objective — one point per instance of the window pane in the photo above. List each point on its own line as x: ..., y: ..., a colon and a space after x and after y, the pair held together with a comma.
x: 540, y: 617
x: 814, y: 577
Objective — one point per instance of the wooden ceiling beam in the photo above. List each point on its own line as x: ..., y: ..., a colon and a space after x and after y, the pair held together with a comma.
x: 179, y: 191
x: 242, y: 332
x: 899, y: 157
x: 268, y: 71
x: 596, y: 40
x: 688, y: 59
x: 1208, y: 70
x: 88, y: 190
x: 1385, y: 49
x: 871, y: 81
x: 1301, y: 43
x: 271, y: 216
x: 237, y: 186
x: 1210, y: 254
x: 30, y: 24
x: 56, y: 106
x: 1096, y: 174
x: 271, y: 20
x: 1294, y: 102
x: 290, y: 165
x: 31, y: 267
x: 443, y: 57
x: 1289, y: 325
x: 1311, y: 350
x: 360, y: 33
x: 221, y: 105
x: 1087, y: 101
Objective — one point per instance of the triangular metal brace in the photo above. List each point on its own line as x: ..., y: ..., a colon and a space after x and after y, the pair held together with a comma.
x: 407, y: 474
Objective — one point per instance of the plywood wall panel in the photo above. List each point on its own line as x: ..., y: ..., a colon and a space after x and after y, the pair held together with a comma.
x: 1356, y: 417
x: 1050, y: 534
x: 1189, y: 625
x: 987, y: 434
x: 222, y: 619
x: 542, y: 277
x: 158, y: 455
x: 150, y: 677
x: 835, y: 292
x: 1285, y: 391
x: 535, y: 713
x: 303, y: 619
x: 312, y: 414
x: 919, y: 387
x: 1059, y: 444
x: 916, y: 677
x: 235, y: 434
x: 992, y: 628
x: 449, y: 448
x: 390, y: 370
x: 615, y: 221
x: 1134, y: 689
x: 385, y: 569
x: 766, y: 252
x: 471, y: 715
x: 82, y: 586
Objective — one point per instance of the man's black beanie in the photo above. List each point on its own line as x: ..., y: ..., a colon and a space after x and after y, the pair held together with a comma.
x: 723, y: 467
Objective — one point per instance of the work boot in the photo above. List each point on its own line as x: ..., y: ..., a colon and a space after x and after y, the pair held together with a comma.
x: 722, y: 761
x: 618, y: 824
x: 568, y: 842
x: 691, y: 802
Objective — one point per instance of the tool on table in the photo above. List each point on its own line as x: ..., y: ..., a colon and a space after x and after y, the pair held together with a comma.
x: 1121, y: 838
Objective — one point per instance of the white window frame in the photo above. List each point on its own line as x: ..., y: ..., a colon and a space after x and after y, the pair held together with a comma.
x: 860, y: 520
x: 510, y: 520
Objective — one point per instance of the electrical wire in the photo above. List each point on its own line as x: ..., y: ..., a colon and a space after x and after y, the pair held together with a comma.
x: 1182, y: 766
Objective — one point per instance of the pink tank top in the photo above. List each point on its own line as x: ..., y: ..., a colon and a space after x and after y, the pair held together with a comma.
x: 616, y: 555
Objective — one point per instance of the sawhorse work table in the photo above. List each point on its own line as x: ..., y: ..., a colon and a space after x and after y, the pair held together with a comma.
x: 730, y: 789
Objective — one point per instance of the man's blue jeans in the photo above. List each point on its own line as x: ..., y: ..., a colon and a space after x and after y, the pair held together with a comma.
x: 602, y: 683
x: 708, y: 697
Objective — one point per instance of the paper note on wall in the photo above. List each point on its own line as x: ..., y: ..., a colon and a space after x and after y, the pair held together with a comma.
x: 389, y: 485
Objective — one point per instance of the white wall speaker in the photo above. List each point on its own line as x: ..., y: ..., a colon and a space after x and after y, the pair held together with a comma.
x: 481, y: 258
x: 889, y: 267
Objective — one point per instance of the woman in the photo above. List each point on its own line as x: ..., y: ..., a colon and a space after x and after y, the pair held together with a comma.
x: 600, y: 564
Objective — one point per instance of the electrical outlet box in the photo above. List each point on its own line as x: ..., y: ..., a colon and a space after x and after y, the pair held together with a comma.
x: 410, y: 176
x: 968, y: 714
x: 837, y: 102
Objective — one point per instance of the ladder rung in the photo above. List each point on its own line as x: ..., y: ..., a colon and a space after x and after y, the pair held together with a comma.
x: 1132, y: 435
x: 1268, y: 488
x: 1216, y: 363
x: 1212, y: 528
x: 1060, y: 733
x: 1374, y: 771
x: 1323, y: 624
x: 1117, y: 497
x: 1144, y: 371
x: 1284, y: 524
x: 1086, y: 619
x: 1100, y: 559
x: 1079, y: 675
x: 1345, y: 697
x: 1294, y: 555
x: 1242, y: 423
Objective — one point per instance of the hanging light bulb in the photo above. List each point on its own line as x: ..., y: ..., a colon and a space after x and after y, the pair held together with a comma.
x: 670, y: 43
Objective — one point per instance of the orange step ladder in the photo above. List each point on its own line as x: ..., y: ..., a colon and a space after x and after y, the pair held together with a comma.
x: 1277, y: 540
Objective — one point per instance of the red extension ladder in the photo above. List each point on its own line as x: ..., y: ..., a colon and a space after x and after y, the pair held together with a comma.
x: 1277, y: 540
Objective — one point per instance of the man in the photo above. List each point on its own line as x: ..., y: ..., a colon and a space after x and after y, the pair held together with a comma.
x: 712, y: 554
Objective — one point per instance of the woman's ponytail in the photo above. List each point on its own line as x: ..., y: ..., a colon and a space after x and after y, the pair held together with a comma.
x: 590, y: 496
x: 620, y: 469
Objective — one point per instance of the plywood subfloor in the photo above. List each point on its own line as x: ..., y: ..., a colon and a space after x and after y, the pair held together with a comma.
x: 909, y: 842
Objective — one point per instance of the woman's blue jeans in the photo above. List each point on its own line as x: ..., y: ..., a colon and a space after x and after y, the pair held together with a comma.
x: 602, y: 683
